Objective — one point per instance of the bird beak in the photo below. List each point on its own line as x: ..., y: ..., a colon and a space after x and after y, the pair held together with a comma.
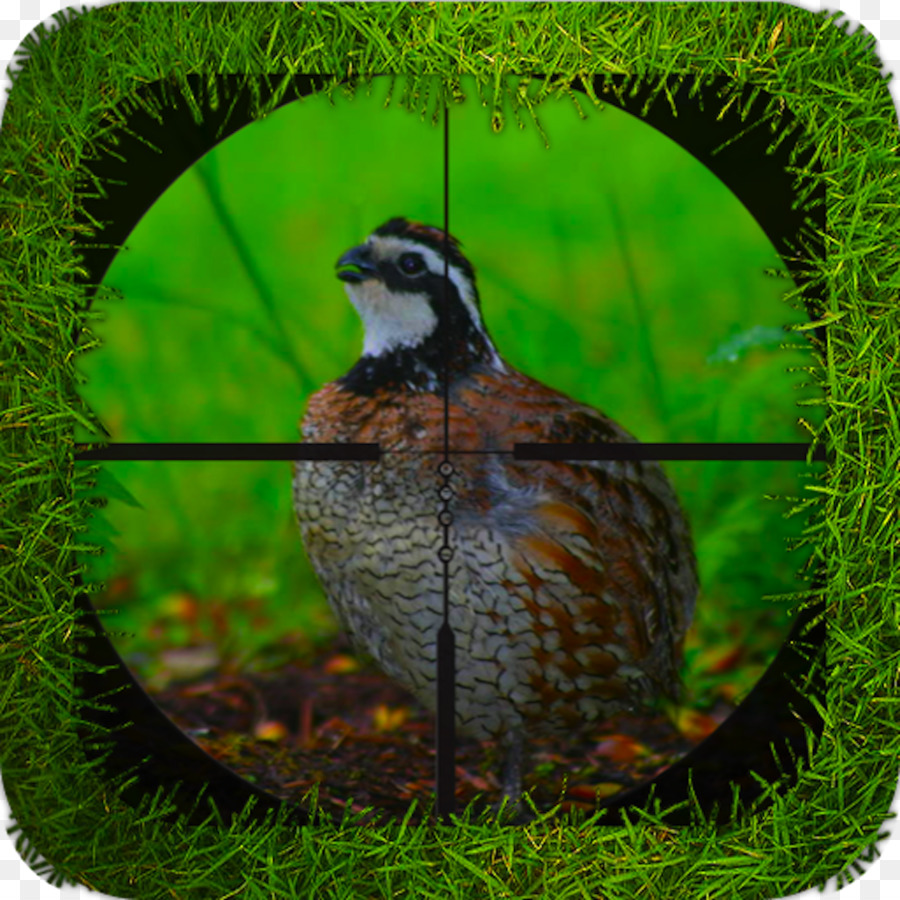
x: 361, y: 258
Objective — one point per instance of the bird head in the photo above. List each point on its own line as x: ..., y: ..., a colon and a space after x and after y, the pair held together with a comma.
x: 416, y: 295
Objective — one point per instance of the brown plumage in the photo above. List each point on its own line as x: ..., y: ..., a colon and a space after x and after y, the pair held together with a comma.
x: 572, y: 584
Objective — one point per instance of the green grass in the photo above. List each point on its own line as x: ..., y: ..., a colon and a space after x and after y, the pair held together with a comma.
x: 62, y: 110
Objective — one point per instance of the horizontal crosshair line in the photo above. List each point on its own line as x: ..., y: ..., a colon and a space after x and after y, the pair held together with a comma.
x: 274, y: 452
x: 201, y: 452
x: 745, y: 452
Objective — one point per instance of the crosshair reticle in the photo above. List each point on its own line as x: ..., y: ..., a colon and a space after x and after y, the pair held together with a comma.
x: 449, y: 479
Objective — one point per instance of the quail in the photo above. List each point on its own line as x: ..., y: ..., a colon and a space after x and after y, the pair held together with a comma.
x: 571, y: 584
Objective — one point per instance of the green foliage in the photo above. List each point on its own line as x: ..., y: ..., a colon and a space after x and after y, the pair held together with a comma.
x: 63, y: 110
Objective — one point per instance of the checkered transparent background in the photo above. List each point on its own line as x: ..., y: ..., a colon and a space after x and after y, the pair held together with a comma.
x: 881, y: 879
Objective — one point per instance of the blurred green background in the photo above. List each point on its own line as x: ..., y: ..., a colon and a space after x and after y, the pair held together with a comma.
x: 612, y: 266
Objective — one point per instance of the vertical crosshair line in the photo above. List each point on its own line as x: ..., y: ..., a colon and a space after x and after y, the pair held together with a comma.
x: 445, y: 343
x: 445, y: 737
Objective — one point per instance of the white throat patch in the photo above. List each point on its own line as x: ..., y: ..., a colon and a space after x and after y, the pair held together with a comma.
x: 390, y: 320
x: 393, y: 246
x: 404, y: 320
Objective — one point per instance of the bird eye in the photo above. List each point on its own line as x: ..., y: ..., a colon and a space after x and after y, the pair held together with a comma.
x: 412, y: 264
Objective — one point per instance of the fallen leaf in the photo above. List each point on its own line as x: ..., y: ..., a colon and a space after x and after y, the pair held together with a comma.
x: 182, y: 606
x: 621, y: 748
x: 340, y: 664
x: 270, y: 731
x: 477, y: 782
x: 695, y: 725
x: 728, y: 661
x: 587, y: 792
x: 387, y: 719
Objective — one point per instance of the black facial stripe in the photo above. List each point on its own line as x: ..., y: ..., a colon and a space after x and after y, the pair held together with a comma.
x: 455, y: 339
x: 412, y: 263
x: 426, y: 283
x: 458, y: 341
x: 430, y: 237
x: 392, y: 264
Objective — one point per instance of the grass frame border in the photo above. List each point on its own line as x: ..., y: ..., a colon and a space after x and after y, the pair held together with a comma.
x: 61, y: 112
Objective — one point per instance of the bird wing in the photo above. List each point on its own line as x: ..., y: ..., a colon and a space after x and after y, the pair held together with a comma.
x: 602, y: 548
